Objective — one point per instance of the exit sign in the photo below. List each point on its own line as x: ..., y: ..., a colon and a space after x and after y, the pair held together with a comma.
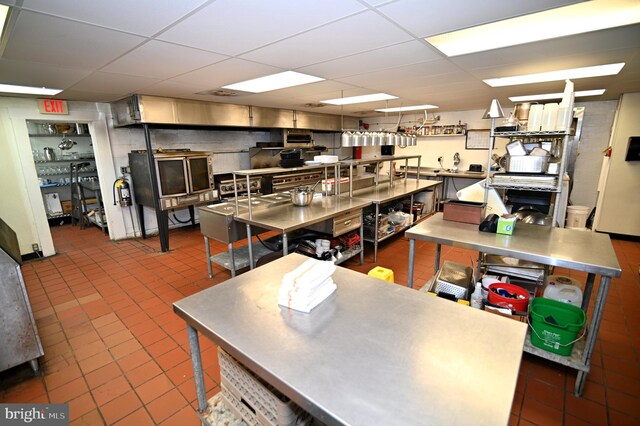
x: 52, y: 106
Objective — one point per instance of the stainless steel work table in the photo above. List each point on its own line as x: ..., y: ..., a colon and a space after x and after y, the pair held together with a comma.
x: 568, y: 248
x: 373, y: 353
x: 386, y: 192
x: 287, y: 217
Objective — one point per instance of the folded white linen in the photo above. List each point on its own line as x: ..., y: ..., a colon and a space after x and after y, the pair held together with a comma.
x: 307, y: 304
x: 290, y: 291
x: 306, y: 277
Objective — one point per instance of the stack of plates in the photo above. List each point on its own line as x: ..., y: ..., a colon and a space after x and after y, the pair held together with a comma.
x: 326, y: 158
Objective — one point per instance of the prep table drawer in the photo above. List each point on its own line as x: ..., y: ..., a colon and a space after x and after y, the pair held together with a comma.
x: 340, y: 224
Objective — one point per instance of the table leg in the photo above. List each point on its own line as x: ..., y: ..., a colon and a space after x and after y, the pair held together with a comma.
x: 361, y: 240
x: 207, y: 250
x: 438, y: 249
x: 232, y: 259
x: 285, y: 244
x: 594, y: 326
x: 412, y: 253
x: 588, y: 287
x: 249, y: 246
x: 376, y: 233
x: 198, y: 373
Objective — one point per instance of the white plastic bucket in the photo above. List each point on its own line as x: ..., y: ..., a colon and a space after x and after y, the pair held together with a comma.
x: 577, y: 216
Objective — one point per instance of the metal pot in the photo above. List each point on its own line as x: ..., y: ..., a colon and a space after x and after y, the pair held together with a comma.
x: 49, y: 154
x: 66, y: 143
x: 303, y: 195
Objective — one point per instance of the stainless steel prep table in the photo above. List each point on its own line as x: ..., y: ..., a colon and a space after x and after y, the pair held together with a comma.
x: 568, y: 248
x: 286, y: 218
x: 385, y: 192
x: 373, y: 353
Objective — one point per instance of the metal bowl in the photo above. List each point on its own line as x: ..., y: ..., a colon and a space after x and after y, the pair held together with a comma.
x: 301, y: 198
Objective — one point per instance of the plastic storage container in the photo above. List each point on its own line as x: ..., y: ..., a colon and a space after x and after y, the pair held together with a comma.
x: 563, y: 289
x: 518, y: 305
x: 555, y: 325
x: 577, y: 217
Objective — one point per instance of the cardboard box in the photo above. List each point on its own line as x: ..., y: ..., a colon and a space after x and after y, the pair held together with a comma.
x: 463, y: 211
x: 66, y: 207
x: 506, y: 225
x: 520, y: 318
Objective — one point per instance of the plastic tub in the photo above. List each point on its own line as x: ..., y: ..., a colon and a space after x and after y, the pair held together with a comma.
x: 519, y: 305
x: 577, y: 216
x: 555, y: 325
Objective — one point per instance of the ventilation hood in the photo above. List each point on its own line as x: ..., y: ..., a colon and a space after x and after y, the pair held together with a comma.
x: 145, y: 109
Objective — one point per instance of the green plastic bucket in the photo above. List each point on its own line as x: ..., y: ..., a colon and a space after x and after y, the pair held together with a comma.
x: 555, y: 325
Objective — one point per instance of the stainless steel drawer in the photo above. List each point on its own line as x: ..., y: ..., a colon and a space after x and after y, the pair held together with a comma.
x: 344, y: 222
x: 347, y: 222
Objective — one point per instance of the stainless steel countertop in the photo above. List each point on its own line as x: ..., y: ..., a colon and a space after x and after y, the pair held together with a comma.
x: 400, y: 188
x: 373, y: 353
x: 435, y: 171
x: 287, y: 217
x: 568, y: 248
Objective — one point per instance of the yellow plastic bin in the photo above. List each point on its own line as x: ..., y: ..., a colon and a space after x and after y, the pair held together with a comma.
x: 382, y: 273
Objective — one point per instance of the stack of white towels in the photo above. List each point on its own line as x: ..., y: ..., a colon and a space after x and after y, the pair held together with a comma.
x: 306, y: 286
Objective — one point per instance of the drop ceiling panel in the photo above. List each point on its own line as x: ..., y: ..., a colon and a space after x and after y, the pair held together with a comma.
x: 225, y: 72
x: 30, y: 74
x: 116, y: 83
x: 144, y: 17
x: 162, y: 60
x: 80, y: 95
x: 429, y: 17
x: 232, y: 27
x: 386, y: 57
x: 403, y: 74
x: 342, y: 38
x: 56, y: 41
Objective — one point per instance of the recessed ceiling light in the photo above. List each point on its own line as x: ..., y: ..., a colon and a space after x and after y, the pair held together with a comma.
x: 571, y: 74
x: 273, y: 82
x: 563, y: 21
x: 28, y: 90
x: 407, y: 108
x: 360, y: 99
x: 546, y: 96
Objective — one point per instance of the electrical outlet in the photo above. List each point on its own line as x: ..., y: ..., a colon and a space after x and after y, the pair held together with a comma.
x: 35, y: 247
x: 124, y: 170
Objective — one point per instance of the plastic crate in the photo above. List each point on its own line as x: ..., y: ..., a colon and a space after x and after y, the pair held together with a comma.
x: 266, y: 406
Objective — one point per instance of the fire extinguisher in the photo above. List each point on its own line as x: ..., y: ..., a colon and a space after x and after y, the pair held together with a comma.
x: 124, y: 193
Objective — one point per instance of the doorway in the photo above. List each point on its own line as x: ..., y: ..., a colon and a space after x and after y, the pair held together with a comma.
x: 66, y: 171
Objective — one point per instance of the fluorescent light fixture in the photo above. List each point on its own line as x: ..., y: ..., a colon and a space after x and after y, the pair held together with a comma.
x: 28, y: 90
x: 407, y: 108
x: 559, y: 95
x: 560, y: 22
x: 360, y: 99
x: 4, y: 11
x: 274, y: 82
x: 571, y: 74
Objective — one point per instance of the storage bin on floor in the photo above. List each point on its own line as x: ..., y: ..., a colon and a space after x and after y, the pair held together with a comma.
x: 555, y: 325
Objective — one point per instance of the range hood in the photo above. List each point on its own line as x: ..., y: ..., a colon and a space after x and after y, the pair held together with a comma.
x: 145, y: 109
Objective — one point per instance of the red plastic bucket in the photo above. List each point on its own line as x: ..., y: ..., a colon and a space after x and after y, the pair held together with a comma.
x: 519, y: 305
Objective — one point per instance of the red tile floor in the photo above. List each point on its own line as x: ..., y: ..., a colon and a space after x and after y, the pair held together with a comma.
x: 116, y: 352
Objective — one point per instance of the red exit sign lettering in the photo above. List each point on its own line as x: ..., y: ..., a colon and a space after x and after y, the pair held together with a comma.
x: 52, y: 106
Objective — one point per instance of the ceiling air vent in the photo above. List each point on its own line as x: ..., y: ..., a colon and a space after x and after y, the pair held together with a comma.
x: 313, y: 105
x: 218, y: 92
